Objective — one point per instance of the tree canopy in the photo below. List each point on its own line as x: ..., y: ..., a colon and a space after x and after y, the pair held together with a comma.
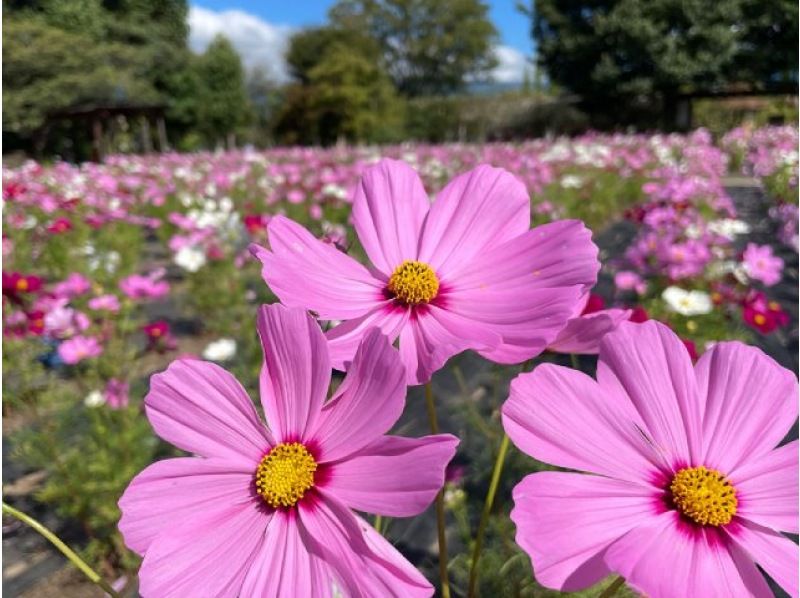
x: 621, y: 49
x: 426, y: 46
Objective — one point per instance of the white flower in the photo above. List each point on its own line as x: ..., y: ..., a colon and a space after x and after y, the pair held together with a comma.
x: 220, y: 350
x: 728, y: 227
x: 571, y: 181
x: 94, y: 399
x: 687, y: 303
x: 190, y: 258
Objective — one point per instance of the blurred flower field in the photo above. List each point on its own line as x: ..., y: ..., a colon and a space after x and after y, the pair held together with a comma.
x: 112, y: 270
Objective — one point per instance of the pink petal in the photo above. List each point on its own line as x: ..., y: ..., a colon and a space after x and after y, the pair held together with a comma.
x: 668, y: 558
x: 211, y: 555
x: 171, y: 492
x: 582, y: 334
x: 475, y: 212
x: 368, y: 402
x: 304, y: 272
x: 389, y: 208
x: 750, y: 403
x: 202, y: 409
x: 334, y: 534
x: 343, y: 340
x: 561, y: 416
x: 649, y: 363
x: 565, y: 521
x: 433, y: 335
x: 296, y: 372
x: 526, y: 289
x: 393, y: 476
x: 283, y: 566
x: 396, y: 572
x: 766, y: 487
x: 774, y: 552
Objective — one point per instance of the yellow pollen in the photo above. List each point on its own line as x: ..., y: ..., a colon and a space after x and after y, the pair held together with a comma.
x: 284, y: 474
x: 22, y: 284
x: 773, y: 305
x: 414, y: 283
x: 704, y: 495
x: 759, y: 319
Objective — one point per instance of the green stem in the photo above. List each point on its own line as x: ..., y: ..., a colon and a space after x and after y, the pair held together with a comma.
x: 487, y: 509
x: 378, y: 522
x: 440, y: 523
x: 612, y: 588
x: 65, y: 550
x: 575, y: 363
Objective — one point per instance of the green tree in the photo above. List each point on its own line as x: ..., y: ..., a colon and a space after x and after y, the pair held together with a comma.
x: 353, y: 98
x: 616, y: 53
x: 223, y: 106
x: 342, y: 91
x: 47, y: 69
x: 427, y: 46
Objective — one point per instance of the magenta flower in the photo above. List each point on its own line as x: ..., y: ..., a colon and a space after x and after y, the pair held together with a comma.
x: 79, y: 348
x: 267, y: 511
x: 685, y: 491
x: 761, y: 264
x: 462, y: 273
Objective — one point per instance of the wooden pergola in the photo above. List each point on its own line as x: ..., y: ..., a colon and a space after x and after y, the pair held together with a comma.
x: 99, y: 117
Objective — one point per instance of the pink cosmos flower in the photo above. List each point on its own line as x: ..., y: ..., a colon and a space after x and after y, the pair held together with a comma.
x: 63, y: 321
x: 116, y: 394
x: 584, y: 331
x: 104, y: 303
x: 267, y: 511
x: 145, y: 287
x: 761, y: 264
x: 685, y: 491
x: 462, y: 273
x: 79, y: 348
x: 75, y: 284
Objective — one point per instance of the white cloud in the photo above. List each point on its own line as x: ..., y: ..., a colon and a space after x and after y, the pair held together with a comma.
x: 258, y: 42
x: 511, y: 65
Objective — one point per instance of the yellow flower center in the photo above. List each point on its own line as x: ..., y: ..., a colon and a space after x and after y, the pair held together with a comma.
x: 22, y: 284
x: 704, y: 495
x: 759, y: 319
x: 284, y: 474
x: 414, y: 282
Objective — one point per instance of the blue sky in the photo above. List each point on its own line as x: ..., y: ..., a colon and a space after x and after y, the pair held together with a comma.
x: 259, y: 30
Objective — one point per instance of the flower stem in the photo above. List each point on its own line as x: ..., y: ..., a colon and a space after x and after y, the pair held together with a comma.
x: 378, y: 522
x: 440, y: 523
x: 487, y: 509
x: 613, y: 587
x: 573, y: 357
x: 65, y: 550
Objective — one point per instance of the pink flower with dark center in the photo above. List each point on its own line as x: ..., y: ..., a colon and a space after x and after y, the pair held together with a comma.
x: 79, y: 348
x: 761, y: 264
x: 465, y: 272
x: 266, y: 511
x: 685, y: 490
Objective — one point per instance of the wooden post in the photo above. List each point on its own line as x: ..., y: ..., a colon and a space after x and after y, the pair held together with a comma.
x: 97, y: 139
x: 147, y: 142
x: 162, y: 135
